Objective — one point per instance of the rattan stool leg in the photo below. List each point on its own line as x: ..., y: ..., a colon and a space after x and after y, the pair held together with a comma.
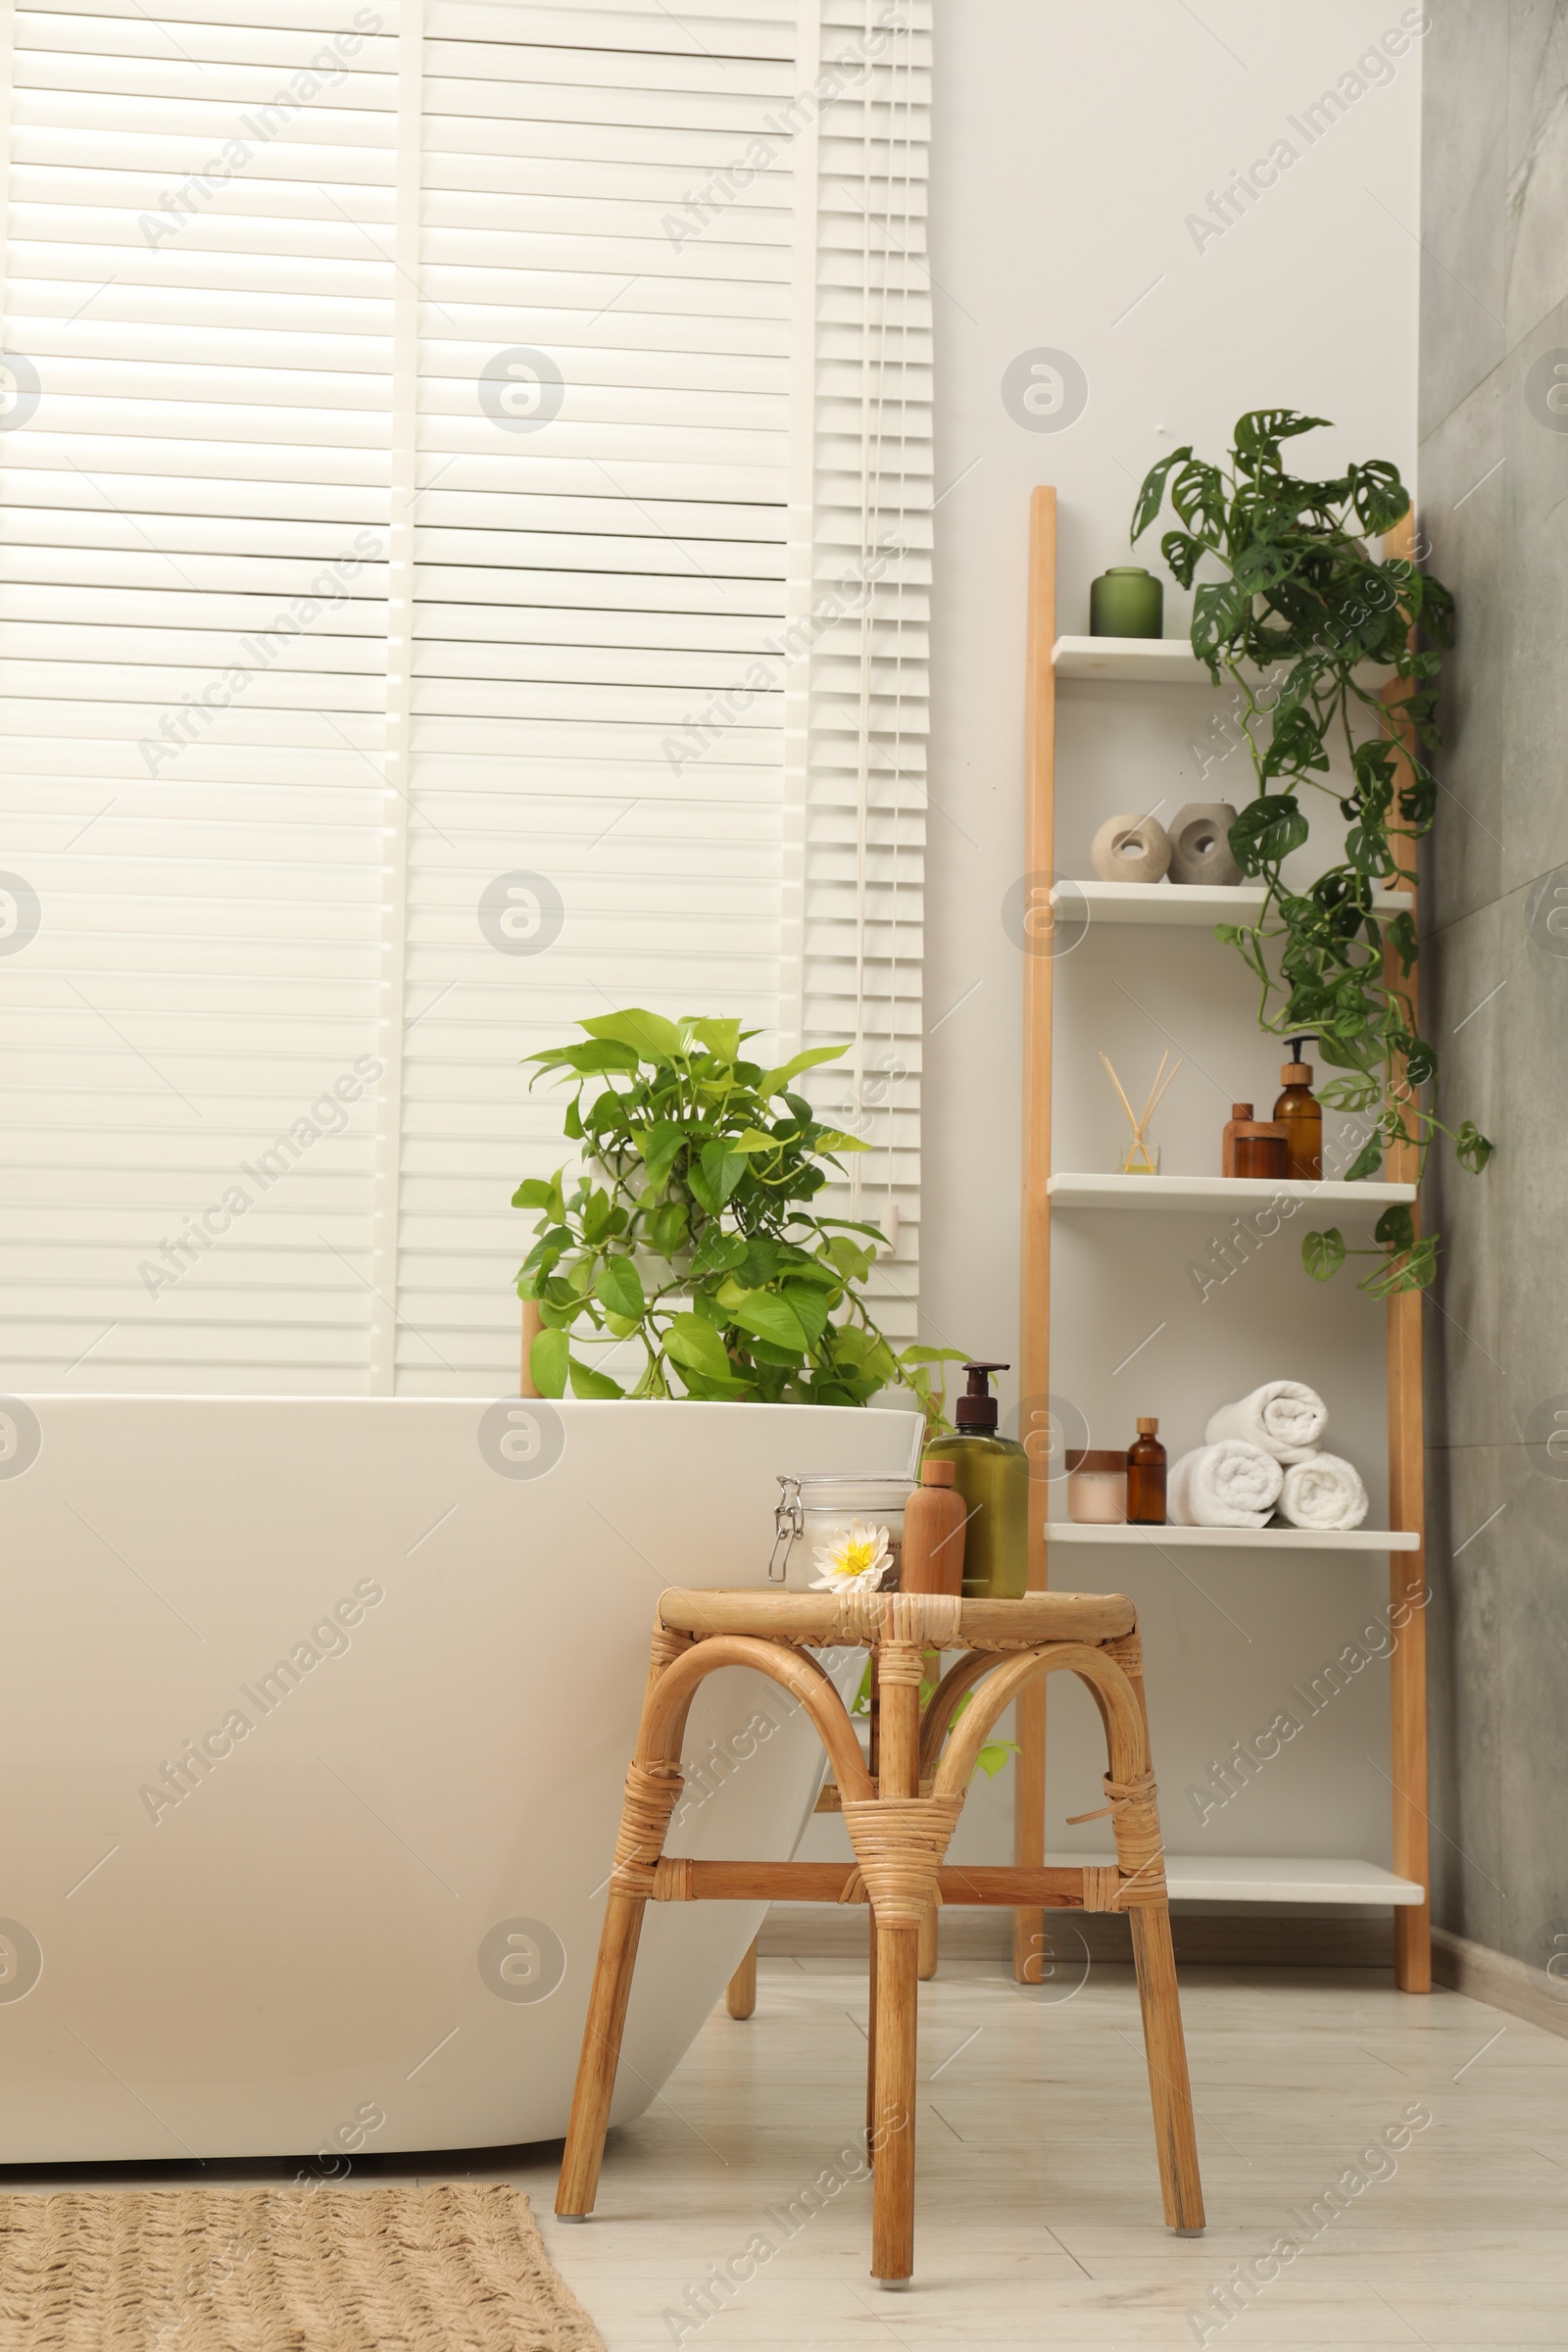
x: 1166, y: 2053
x: 929, y: 1949
x: 893, y: 2132
x: 870, y: 2043
x: 653, y: 1784
x: 740, y: 1997
x: 601, y: 2054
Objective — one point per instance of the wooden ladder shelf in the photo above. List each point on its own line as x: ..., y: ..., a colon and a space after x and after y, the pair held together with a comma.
x: 1406, y: 1568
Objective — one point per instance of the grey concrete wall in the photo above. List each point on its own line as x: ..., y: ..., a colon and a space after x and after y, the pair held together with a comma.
x: 1493, y: 499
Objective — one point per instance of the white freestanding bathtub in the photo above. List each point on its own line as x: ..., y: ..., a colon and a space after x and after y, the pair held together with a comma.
x: 315, y: 1719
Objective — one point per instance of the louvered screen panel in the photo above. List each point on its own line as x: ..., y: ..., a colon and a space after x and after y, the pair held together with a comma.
x: 191, y: 527
x: 868, y: 702
x: 589, y: 583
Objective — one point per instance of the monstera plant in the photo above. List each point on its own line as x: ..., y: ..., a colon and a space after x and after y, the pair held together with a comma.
x: 689, y: 1234
x: 1293, y: 608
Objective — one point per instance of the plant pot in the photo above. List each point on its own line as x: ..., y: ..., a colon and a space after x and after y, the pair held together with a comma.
x: 484, y: 1697
x: 1126, y: 601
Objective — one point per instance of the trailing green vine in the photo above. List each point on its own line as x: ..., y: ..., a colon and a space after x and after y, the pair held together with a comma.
x: 1304, y: 602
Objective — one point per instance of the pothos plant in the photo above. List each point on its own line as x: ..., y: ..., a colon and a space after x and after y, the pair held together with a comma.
x: 1304, y: 601
x: 690, y: 1230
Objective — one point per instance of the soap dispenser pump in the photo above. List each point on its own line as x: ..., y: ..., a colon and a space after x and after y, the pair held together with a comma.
x: 992, y: 1473
x: 1301, y: 1113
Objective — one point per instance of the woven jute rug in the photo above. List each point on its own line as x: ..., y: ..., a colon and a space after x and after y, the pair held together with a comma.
x: 457, y: 2267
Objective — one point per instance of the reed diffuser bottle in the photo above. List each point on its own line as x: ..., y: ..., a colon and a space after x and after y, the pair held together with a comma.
x: 992, y: 1473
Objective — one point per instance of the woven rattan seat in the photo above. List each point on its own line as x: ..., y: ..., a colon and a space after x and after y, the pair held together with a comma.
x: 932, y: 1621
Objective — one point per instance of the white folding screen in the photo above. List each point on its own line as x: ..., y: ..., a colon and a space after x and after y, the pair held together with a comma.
x: 463, y: 538
x: 870, y: 520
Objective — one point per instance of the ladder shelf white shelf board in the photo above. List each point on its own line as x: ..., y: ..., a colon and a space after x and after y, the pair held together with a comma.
x: 1198, y: 904
x: 1151, y: 661
x: 1268, y: 1878
x: 1130, y: 661
x: 1090, y: 1189
x: 1234, y: 1539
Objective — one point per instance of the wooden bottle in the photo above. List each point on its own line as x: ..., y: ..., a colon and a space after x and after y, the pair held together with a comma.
x: 1226, y: 1148
x: 934, y: 1520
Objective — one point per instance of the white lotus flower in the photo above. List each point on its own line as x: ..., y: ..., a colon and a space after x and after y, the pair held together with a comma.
x: 855, y: 1561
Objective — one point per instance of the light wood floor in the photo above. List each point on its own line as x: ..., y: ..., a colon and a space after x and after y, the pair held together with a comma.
x: 1039, y: 2209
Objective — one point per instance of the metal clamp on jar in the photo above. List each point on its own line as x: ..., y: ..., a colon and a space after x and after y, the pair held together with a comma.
x: 825, y: 1520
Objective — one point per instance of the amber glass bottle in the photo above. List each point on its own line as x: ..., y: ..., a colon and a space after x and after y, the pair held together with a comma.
x: 1146, y: 1478
x: 1302, y: 1115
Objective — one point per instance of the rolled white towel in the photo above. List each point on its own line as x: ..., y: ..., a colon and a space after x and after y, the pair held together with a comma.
x: 1324, y: 1492
x: 1285, y: 1417
x: 1230, y: 1483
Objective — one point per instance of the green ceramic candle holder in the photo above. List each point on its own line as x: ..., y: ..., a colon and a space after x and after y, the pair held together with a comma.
x: 1126, y: 601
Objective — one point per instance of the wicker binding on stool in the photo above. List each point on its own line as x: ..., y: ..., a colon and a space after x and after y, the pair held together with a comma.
x: 899, y: 1826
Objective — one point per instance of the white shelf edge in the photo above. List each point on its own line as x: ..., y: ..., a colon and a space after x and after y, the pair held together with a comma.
x: 1086, y: 1189
x: 1157, y: 662
x: 1265, y: 1878
x: 1177, y: 904
x: 1236, y: 1539
x: 1135, y: 661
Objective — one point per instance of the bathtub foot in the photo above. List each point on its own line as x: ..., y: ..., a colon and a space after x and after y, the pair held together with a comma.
x: 741, y: 1997
x: 601, y: 2053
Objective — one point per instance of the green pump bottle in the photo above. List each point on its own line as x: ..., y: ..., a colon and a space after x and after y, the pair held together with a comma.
x: 992, y: 1473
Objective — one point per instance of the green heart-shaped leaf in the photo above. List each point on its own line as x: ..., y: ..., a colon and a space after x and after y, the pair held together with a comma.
x: 773, y: 1082
x: 660, y: 1146
x: 618, y: 1285
x: 548, y: 1361
x: 771, y: 1317
x: 696, y: 1347
x: 723, y: 1168
x: 649, y: 1034
x: 721, y: 1038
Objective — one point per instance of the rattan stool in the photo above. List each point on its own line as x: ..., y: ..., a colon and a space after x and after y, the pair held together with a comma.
x: 899, y: 1826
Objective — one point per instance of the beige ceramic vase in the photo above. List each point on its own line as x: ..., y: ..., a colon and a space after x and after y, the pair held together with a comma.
x: 1130, y: 849
x: 1200, y: 844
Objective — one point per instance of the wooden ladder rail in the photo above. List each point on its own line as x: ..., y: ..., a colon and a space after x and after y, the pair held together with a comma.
x: 1034, y: 1348
x: 1407, y: 1570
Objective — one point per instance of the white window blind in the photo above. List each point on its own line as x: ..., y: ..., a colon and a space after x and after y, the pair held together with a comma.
x: 463, y: 568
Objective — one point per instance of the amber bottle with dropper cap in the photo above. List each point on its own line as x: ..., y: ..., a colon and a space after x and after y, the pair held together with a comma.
x: 1146, y: 1478
x: 992, y: 1473
x: 1301, y: 1113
